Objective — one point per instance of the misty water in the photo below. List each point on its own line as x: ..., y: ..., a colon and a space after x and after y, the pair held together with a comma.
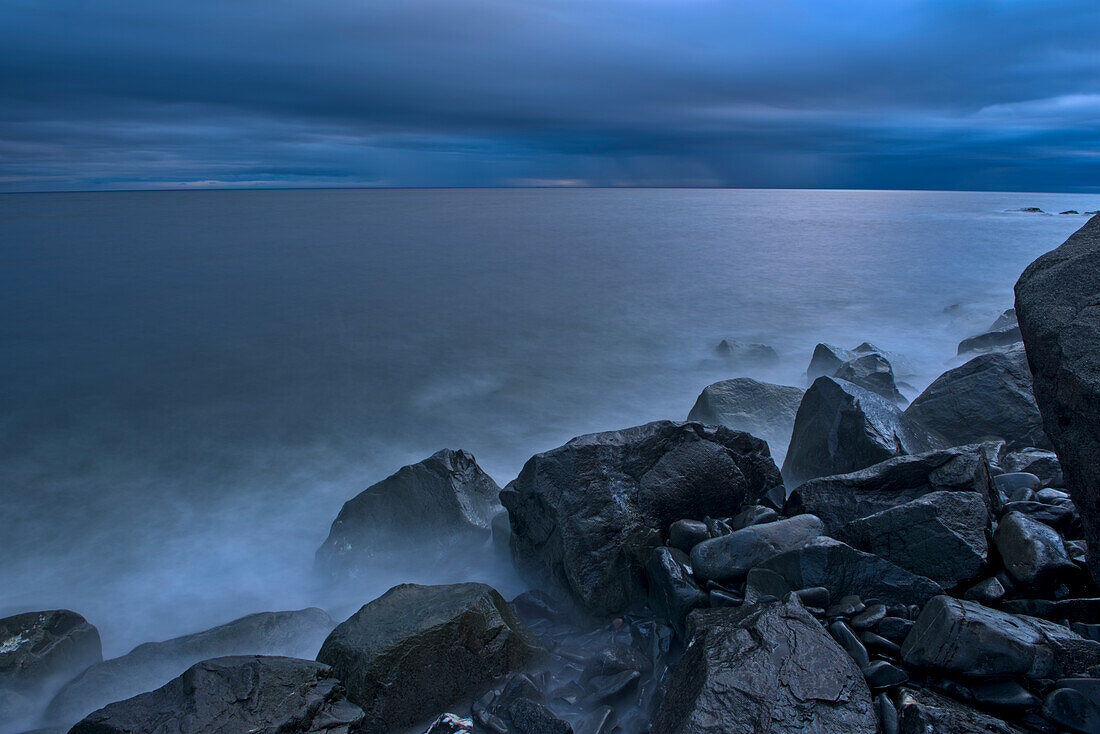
x: 194, y: 382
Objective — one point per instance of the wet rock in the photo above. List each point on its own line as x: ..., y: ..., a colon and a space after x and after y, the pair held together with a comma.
x: 844, y: 570
x: 684, y: 535
x: 747, y: 355
x: 433, y: 507
x: 451, y: 724
x: 764, y: 669
x: 297, y: 634
x: 744, y: 404
x: 887, y: 714
x: 879, y: 644
x: 1060, y: 518
x: 235, y: 694
x: 925, y: 712
x: 1005, y: 337
x: 1040, y: 462
x: 965, y: 637
x: 847, y: 606
x: 1016, y: 486
x: 988, y: 397
x: 815, y: 596
x: 1058, y: 305
x: 986, y: 591
x: 841, y: 427
x: 615, y: 659
x: 673, y: 592
x: 730, y: 557
x: 872, y: 372
x: 846, y: 497
x: 416, y: 650
x: 1075, y: 705
x: 1005, y: 694
x: 1032, y: 552
x: 763, y: 584
x: 895, y: 628
x: 753, y: 515
x: 587, y: 515
x: 940, y: 535
x: 869, y: 617
x: 826, y: 360
x: 881, y: 674
x: 851, y: 644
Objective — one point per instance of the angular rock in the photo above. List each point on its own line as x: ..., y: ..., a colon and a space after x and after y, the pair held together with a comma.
x: 764, y: 669
x: 843, y: 570
x: 744, y: 404
x: 1007, y: 336
x: 297, y: 634
x: 730, y: 557
x: 926, y: 712
x: 1040, y: 462
x: 415, y: 650
x: 872, y: 372
x: 967, y: 638
x: 826, y: 360
x: 986, y: 591
x: 843, y: 498
x: 672, y: 590
x: 586, y: 516
x: 988, y: 397
x: 235, y: 694
x: 940, y: 535
x: 1058, y: 305
x: 1032, y: 551
x: 432, y: 506
x: 41, y: 650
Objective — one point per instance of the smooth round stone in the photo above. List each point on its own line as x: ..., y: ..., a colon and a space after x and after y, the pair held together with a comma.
x: 887, y: 714
x: 869, y: 617
x: 846, y: 606
x: 1013, y: 484
x: 881, y: 674
x: 1051, y: 496
x: 847, y: 639
x: 684, y: 535
x: 815, y: 596
x: 879, y: 644
x: 1004, y: 694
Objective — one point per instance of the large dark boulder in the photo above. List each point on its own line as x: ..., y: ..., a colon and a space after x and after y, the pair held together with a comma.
x: 845, y: 571
x: 941, y: 535
x: 409, y: 654
x: 872, y: 372
x: 586, y: 516
x: 296, y: 634
x: 744, y: 404
x: 731, y: 557
x: 429, y: 507
x: 840, y: 499
x: 841, y: 428
x: 232, y: 695
x: 1058, y: 306
x: 987, y: 398
x: 764, y: 668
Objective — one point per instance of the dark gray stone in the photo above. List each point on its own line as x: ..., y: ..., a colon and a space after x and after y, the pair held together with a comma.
x: 941, y: 535
x: 872, y: 372
x: 851, y: 644
x: 967, y: 638
x: 844, y: 570
x: 764, y: 669
x: 686, y: 534
x: 1073, y: 710
x: 1059, y: 518
x: 869, y: 617
x: 673, y: 592
x: 1003, y: 694
x: 1058, y: 305
x: 1032, y: 551
x: 895, y: 628
x: 1005, y: 337
x: 235, y: 694
x: 842, y: 428
x: 881, y: 674
x: 826, y: 360
x: 1015, y: 486
x: 759, y: 408
x: 586, y: 516
x: 431, y: 507
x: 296, y: 634
x: 762, y: 584
x: 887, y: 714
x: 753, y: 515
x: 742, y: 354
x: 411, y: 653
x: 1040, y: 462
x: 730, y: 557
x: 926, y: 712
x: 846, y: 497
x: 41, y: 650
x: 986, y: 591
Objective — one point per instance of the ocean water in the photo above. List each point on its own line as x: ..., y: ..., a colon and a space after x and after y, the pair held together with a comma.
x: 194, y: 382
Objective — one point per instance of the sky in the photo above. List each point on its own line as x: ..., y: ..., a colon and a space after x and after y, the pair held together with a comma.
x: 899, y: 94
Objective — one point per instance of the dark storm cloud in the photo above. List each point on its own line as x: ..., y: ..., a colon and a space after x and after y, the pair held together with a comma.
x: 892, y: 93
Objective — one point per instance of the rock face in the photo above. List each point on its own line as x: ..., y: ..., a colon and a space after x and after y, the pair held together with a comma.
x: 296, y: 634
x: 430, y: 506
x: 941, y: 535
x: 43, y: 649
x: 1058, y: 305
x: 872, y: 372
x: 409, y: 654
x: 841, y: 499
x: 744, y: 404
x: 731, y: 557
x: 586, y: 516
x: 845, y: 571
x: 987, y: 398
x: 841, y: 428
x: 766, y: 668
x: 965, y: 637
x: 235, y: 694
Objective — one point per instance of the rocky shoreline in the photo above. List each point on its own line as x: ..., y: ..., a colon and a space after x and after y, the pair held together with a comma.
x: 913, y: 567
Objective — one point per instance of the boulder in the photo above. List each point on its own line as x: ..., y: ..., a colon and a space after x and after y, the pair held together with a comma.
x: 1032, y: 551
x: 846, y: 497
x: 296, y: 634
x: 409, y: 654
x: 966, y: 638
x: 747, y: 355
x: 872, y: 372
x: 845, y: 571
x: 826, y: 360
x: 841, y: 428
x: 744, y: 404
x: 430, y: 507
x: 41, y: 650
x: 941, y: 535
x: 586, y: 516
x: 1058, y: 305
x: 926, y: 712
x: 988, y: 397
x: 764, y: 668
x: 248, y: 693
x: 730, y: 557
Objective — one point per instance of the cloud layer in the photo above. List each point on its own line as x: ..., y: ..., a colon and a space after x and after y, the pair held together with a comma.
x: 954, y: 94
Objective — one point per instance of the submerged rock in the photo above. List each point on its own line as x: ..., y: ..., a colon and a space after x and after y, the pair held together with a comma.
x: 872, y: 372
x: 586, y: 516
x: 730, y: 557
x: 235, y: 694
x: 766, y: 668
x: 411, y: 653
x: 431, y: 506
x: 744, y: 404
x: 1058, y: 305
